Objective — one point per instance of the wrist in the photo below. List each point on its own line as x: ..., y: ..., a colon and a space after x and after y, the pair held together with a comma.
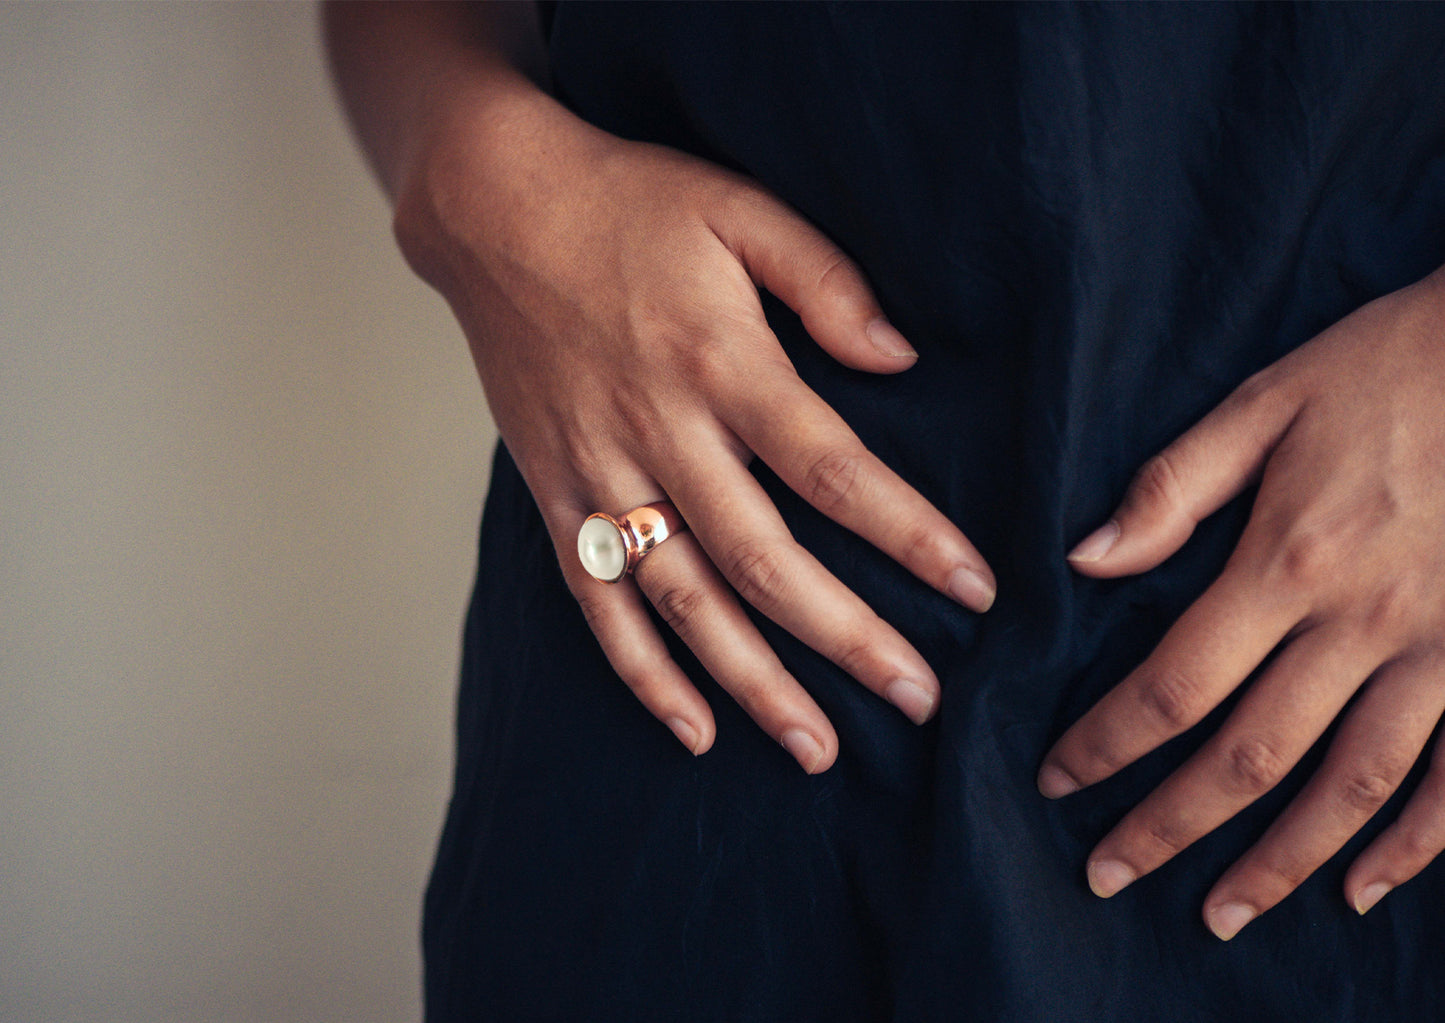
x: 474, y: 165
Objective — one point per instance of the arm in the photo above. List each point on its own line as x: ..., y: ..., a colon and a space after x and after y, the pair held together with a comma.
x: 400, y: 68
x: 608, y: 292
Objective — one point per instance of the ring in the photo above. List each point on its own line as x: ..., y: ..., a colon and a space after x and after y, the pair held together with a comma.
x: 610, y: 548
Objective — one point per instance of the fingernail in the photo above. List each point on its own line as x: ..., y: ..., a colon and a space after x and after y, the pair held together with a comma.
x: 805, y: 749
x: 886, y: 339
x: 1369, y: 895
x: 1109, y: 877
x: 1229, y: 919
x: 1054, y: 783
x: 911, y: 698
x: 1096, y: 544
x: 970, y: 589
x: 686, y: 734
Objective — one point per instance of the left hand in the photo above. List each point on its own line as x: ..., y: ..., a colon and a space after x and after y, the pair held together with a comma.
x: 1341, y: 570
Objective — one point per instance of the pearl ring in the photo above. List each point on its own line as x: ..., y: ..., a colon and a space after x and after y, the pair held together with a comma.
x: 611, y: 548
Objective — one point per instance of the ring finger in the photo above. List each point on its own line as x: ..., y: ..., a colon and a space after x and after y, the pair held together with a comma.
x: 695, y: 601
x: 741, y: 530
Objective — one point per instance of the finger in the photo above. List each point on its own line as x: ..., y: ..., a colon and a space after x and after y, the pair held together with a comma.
x: 1276, y: 722
x: 694, y: 600
x: 1189, y: 480
x: 1205, y: 655
x: 1417, y: 836
x: 737, y: 524
x: 815, y: 453
x: 1377, y: 744
x: 618, y: 618
x: 790, y: 257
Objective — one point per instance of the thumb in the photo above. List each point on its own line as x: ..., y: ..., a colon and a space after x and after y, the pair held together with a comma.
x: 1189, y: 480
x: 795, y: 261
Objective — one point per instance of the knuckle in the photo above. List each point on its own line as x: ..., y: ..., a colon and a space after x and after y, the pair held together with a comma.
x: 1365, y: 790
x: 1173, y: 699
x: 1252, y: 767
x: 646, y: 684
x: 752, y: 693
x: 1166, y: 834
x: 740, y: 201
x: 1414, y: 844
x: 1392, y: 612
x: 713, y: 363
x: 838, y: 278
x: 1310, y: 555
x: 587, y: 456
x: 1099, y: 756
x: 1260, y: 391
x: 681, y: 606
x: 854, y: 655
x: 924, y: 550
x: 758, y: 571
x: 1305, y: 562
x: 595, y: 610
x: 832, y: 480
x: 1158, y: 483
x: 1285, y: 873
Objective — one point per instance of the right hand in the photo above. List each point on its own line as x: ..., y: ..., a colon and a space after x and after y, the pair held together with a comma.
x: 608, y: 291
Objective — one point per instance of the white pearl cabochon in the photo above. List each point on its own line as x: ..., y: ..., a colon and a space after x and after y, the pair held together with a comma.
x: 600, y: 546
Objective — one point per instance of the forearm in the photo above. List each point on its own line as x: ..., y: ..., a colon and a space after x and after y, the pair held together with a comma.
x: 404, y: 69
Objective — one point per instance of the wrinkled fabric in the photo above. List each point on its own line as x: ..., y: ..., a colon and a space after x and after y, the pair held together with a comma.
x: 1093, y: 223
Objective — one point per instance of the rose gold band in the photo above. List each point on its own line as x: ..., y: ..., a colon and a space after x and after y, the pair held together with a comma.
x: 646, y: 527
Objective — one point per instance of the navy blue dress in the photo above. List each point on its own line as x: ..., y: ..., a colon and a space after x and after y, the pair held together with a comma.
x: 1093, y: 223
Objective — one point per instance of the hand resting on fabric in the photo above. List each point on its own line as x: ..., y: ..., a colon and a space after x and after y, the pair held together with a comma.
x: 1340, y: 574
x: 609, y: 294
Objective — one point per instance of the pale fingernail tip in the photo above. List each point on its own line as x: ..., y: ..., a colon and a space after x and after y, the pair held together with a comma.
x: 686, y: 734
x: 911, y: 698
x: 805, y: 749
x: 971, y: 589
x: 1097, y: 544
x: 1229, y: 919
x: 1370, y: 895
x: 885, y: 337
x: 1109, y: 877
x: 1055, y: 783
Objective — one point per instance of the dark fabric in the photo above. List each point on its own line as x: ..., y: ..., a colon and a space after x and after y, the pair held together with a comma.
x: 1093, y: 223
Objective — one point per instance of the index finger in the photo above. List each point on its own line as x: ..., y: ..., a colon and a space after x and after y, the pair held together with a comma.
x: 813, y: 451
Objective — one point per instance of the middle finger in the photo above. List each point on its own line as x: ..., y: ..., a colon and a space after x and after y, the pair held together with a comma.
x: 736, y: 522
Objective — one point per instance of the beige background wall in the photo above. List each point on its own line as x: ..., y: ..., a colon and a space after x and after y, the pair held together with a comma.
x: 241, y: 458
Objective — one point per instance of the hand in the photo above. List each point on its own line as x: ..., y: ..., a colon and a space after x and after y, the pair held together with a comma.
x: 609, y: 293
x: 1340, y: 571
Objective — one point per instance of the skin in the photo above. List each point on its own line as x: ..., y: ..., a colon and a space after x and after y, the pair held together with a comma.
x: 1341, y: 569
x: 608, y: 293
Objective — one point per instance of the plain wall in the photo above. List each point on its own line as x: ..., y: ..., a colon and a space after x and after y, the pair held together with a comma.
x: 242, y: 454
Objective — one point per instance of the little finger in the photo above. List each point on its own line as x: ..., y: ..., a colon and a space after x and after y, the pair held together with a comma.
x: 618, y: 618
x: 1377, y: 744
x: 1417, y: 836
